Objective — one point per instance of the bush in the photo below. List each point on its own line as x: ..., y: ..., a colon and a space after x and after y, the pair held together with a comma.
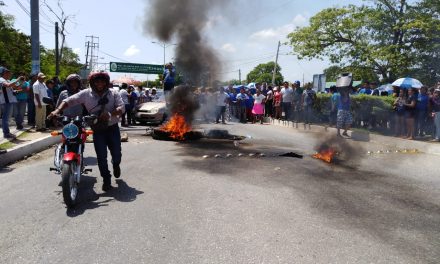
x: 377, y: 109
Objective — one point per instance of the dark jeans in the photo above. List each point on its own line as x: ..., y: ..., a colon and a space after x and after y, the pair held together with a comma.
x: 20, y: 111
x: 126, y: 117
x: 268, y: 108
x: 31, y: 111
x: 242, y: 113
x: 6, y: 109
x: 111, y: 139
x: 287, y: 109
x: 421, y: 120
x: 220, y: 113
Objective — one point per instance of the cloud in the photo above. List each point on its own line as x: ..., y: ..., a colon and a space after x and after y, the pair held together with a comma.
x: 228, y: 47
x: 213, y: 21
x: 131, y: 51
x: 281, y: 32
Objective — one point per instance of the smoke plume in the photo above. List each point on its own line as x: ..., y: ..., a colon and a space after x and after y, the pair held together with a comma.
x: 183, y: 22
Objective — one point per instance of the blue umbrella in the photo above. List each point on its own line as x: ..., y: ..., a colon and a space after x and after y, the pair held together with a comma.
x: 407, y: 83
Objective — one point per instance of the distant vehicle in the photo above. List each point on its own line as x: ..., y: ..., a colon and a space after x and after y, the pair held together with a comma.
x: 153, y: 112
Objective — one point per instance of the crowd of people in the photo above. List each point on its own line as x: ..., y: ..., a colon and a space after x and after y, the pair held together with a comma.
x: 416, y: 111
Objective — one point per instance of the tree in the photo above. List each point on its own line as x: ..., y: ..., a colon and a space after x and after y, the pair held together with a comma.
x: 359, y: 73
x: 263, y: 73
x: 18, y: 46
x: 62, y: 18
x: 69, y: 64
x: 388, y: 36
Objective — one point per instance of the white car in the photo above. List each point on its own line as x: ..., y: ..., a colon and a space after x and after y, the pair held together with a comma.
x: 151, y: 112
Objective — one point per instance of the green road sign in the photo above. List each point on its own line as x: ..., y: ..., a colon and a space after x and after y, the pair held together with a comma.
x: 136, y: 68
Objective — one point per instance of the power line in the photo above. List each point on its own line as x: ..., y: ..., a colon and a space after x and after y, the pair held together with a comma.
x: 29, y: 14
x: 114, y: 57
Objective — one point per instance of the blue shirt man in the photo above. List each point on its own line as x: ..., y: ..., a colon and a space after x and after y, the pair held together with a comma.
x: 168, y: 77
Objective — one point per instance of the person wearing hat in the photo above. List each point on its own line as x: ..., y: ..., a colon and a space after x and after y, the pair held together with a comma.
x: 40, y: 91
x: 7, y: 98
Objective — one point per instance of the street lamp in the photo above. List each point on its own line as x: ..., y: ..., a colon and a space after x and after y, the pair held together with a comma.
x: 164, y: 45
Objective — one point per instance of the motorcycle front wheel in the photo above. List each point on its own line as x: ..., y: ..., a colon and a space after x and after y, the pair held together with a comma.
x: 69, y: 185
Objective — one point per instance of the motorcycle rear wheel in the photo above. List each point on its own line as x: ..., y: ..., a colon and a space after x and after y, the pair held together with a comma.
x: 70, y: 187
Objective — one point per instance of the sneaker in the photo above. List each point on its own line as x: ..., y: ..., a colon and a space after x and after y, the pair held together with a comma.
x: 345, y: 134
x: 19, y: 127
x: 107, y: 186
x: 116, y: 171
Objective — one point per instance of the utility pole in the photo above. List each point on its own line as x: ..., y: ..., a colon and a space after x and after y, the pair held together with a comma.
x: 276, y: 62
x: 303, y: 80
x: 239, y: 75
x: 92, y: 42
x: 57, y: 52
x: 35, y: 35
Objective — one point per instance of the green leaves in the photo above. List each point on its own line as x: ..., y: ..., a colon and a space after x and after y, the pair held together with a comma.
x: 391, y: 37
x: 263, y: 73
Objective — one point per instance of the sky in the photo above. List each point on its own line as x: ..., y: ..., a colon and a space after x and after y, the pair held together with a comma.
x: 244, y: 33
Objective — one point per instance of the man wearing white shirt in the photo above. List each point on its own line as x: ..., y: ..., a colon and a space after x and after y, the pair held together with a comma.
x: 222, y: 101
x: 40, y: 91
x: 287, y: 93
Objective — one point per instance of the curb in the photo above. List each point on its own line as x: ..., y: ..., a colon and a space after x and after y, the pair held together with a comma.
x: 387, y: 142
x: 19, y: 152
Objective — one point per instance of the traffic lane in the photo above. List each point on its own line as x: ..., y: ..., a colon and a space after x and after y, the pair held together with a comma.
x: 384, y: 195
x: 186, y: 211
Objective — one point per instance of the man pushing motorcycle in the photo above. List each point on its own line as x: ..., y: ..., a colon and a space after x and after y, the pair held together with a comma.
x: 108, y: 106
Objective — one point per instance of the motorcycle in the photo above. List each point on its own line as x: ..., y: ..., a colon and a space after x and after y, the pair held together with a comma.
x: 74, y: 135
x: 68, y: 158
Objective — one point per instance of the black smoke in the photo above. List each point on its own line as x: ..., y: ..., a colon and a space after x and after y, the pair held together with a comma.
x: 183, y: 22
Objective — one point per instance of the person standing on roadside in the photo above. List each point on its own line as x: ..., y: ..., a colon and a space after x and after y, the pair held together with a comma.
x: 124, y: 95
x: 434, y: 107
x: 7, y: 98
x: 344, y: 117
x: 307, y: 101
x: 30, y: 100
x: 287, y: 94
x: 422, y: 111
x: 40, y: 91
x: 222, y: 99
x: 22, y: 100
x: 296, y: 101
x: 108, y: 106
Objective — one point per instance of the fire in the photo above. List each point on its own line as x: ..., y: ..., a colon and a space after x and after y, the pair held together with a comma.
x: 325, y: 155
x: 177, y: 127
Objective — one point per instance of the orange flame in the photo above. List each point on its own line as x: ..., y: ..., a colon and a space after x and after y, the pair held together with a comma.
x: 325, y: 155
x: 177, y: 127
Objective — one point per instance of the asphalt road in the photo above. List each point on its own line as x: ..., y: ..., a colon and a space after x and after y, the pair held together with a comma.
x: 178, y: 203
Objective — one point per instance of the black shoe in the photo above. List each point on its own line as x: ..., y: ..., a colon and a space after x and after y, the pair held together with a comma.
x: 107, y: 187
x: 9, y: 136
x: 19, y: 127
x: 116, y: 171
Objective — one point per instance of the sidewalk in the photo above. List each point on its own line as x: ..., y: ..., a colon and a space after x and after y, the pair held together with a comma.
x: 385, y: 142
x: 28, y: 141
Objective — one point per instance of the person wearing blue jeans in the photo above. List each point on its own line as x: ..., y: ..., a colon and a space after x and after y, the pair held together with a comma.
x: 108, y: 106
x: 7, y: 98
x: 20, y: 106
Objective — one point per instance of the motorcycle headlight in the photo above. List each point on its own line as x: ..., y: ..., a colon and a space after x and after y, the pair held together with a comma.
x: 70, y: 131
